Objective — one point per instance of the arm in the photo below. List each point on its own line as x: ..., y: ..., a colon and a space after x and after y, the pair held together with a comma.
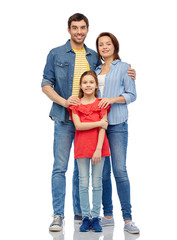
x: 97, y: 154
x: 106, y: 101
x: 88, y: 125
x: 130, y: 89
x: 49, y: 82
x: 128, y: 96
x: 55, y: 97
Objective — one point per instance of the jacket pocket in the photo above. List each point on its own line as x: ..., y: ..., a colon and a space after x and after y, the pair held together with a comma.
x: 61, y: 70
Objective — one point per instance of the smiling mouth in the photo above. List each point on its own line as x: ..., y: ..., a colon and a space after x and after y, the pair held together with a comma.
x: 79, y: 37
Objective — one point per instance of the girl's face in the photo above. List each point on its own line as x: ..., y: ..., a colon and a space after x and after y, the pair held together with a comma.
x: 106, y: 47
x: 88, y: 85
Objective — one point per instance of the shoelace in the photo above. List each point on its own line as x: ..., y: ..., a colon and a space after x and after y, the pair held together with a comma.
x: 95, y: 220
x: 131, y: 224
x: 56, y: 219
x: 85, y: 220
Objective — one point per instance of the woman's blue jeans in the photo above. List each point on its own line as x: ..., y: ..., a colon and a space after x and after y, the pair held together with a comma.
x: 84, y: 176
x: 118, y: 140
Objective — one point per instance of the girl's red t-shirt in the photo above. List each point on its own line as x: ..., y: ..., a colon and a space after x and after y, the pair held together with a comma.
x: 86, y: 141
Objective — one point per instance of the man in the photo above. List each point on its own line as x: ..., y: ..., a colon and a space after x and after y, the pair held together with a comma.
x: 60, y: 83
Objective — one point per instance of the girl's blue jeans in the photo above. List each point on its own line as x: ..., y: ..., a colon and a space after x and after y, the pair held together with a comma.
x: 84, y: 176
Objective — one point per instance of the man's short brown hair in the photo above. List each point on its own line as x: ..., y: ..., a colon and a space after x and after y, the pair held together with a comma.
x: 78, y: 17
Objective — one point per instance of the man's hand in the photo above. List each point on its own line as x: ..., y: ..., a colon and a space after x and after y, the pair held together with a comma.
x: 96, y: 156
x: 131, y: 72
x: 72, y: 101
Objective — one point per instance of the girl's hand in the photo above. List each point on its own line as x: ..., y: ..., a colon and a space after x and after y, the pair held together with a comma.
x: 96, y: 156
x: 105, y: 102
x: 104, y: 123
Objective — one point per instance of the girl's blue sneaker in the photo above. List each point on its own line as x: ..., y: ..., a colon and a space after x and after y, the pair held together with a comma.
x: 85, y: 227
x: 96, y: 225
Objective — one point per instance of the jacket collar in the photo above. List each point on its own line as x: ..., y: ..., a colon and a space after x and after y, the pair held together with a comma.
x: 69, y: 48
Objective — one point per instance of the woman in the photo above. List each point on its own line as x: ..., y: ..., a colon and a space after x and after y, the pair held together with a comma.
x: 117, y: 89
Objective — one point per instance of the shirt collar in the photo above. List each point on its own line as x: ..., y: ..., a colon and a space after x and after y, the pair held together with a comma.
x: 113, y: 63
x: 69, y: 48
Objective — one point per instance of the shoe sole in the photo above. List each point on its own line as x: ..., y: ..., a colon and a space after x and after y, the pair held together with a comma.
x: 55, y: 229
x: 133, y: 232
x: 84, y: 230
x: 77, y: 221
x: 107, y: 225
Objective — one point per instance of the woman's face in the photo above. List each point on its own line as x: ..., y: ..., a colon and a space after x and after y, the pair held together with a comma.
x: 106, y: 47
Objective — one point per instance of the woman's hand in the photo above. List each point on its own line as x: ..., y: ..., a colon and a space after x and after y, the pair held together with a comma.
x: 105, y: 102
x: 104, y: 123
x: 96, y: 156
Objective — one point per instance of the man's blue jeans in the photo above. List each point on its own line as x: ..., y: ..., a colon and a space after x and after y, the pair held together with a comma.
x: 63, y: 137
x: 84, y: 176
x: 118, y: 140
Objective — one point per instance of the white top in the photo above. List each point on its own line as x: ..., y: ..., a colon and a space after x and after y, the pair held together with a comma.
x: 101, y: 81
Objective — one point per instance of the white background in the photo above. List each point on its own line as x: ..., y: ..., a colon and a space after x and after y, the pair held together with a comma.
x: 146, y: 31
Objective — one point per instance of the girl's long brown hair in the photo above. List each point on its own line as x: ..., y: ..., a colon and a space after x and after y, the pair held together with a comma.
x: 114, y: 41
x: 93, y: 74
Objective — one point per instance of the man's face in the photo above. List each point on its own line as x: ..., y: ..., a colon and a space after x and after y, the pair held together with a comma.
x: 78, y: 31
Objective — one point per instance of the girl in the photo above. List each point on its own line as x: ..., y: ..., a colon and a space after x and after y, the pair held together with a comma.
x: 117, y: 89
x: 90, y: 143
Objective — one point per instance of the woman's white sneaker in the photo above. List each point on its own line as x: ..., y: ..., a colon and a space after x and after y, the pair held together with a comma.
x: 131, y: 227
x: 105, y: 222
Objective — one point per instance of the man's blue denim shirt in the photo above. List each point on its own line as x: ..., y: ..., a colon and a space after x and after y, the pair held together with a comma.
x: 59, y: 73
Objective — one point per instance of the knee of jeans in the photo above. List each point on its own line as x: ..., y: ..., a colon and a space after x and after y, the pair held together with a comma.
x: 58, y: 172
x: 121, y: 175
x: 97, y: 182
x: 84, y: 182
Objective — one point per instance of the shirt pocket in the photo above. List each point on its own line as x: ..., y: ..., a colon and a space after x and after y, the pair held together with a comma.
x: 61, y: 70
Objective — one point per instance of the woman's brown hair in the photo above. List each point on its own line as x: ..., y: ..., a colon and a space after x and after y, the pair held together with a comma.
x: 114, y: 41
x: 93, y: 74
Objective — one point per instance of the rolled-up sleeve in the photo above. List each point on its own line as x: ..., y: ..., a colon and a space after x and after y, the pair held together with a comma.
x: 49, y: 73
x: 129, y: 86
